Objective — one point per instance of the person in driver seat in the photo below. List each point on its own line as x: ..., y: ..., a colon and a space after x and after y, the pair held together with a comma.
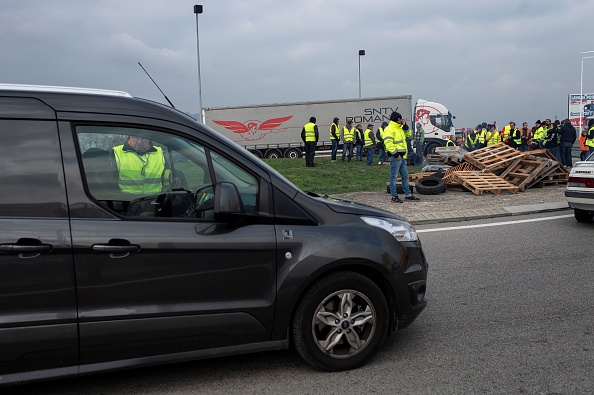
x: 140, y: 166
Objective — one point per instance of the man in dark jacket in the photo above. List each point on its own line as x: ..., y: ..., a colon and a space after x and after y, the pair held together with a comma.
x: 567, y: 137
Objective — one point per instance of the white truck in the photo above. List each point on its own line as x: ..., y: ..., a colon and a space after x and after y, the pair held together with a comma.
x: 274, y: 130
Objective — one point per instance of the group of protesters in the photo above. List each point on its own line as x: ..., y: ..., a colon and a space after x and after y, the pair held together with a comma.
x: 557, y: 137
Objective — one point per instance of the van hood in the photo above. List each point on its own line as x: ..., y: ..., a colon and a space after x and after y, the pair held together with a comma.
x: 345, y: 206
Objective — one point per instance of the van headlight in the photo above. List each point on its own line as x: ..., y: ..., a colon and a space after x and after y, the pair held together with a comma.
x: 402, y: 231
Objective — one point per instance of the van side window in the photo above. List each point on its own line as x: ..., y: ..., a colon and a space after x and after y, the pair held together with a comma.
x: 31, y: 172
x: 147, y: 173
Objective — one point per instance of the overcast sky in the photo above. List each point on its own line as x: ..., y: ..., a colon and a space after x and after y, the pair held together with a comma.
x: 485, y: 60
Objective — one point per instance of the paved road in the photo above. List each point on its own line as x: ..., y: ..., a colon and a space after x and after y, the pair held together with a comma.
x: 511, y: 311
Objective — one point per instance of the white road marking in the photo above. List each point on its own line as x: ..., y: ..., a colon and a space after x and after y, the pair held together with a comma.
x: 494, y: 224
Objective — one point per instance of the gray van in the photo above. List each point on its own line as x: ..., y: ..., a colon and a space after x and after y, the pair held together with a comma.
x: 132, y: 235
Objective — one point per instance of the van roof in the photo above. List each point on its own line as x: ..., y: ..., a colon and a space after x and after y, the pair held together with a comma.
x: 61, y: 89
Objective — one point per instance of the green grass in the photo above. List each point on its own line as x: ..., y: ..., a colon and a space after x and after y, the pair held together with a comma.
x: 335, y: 177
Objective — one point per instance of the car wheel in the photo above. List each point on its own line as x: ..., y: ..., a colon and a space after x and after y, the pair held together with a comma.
x: 583, y: 215
x: 430, y: 185
x: 340, y: 322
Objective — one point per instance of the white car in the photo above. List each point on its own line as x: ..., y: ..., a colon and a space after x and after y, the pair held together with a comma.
x: 580, y: 190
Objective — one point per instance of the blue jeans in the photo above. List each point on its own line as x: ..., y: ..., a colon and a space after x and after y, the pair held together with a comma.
x: 347, y: 147
x: 381, y: 155
x: 370, y: 152
x: 334, y: 149
x: 398, y: 166
x: 359, y: 151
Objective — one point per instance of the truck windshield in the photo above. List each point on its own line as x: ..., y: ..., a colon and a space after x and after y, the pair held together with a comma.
x: 442, y: 121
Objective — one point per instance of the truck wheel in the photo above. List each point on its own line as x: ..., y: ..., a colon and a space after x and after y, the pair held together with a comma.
x: 256, y: 153
x: 293, y: 153
x: 340, y: 322
x: 430, y: 185
x: 274, y: 154
x: 430, y: 148
x: 583, y: 215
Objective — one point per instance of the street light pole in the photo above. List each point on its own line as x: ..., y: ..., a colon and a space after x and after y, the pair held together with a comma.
x: 361, y: 53
x: 581, y: 88
x: 198, y: 10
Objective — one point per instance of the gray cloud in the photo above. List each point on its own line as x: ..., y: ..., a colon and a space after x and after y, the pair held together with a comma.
x: 484, y: 60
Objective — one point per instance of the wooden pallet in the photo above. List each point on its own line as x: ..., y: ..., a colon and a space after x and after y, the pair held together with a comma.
x: 450, y: 177
x: 479, y: 182
x: 493, y: 157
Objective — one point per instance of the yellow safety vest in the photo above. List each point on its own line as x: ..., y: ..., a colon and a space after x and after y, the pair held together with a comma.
x: 493, y: 138
x: 337, y: 131
x: 590, y: 138
x: 310, y: 132
x: 140, y: 174
x: 368, y: 141
x: 518, y: 134
x: 470, y: 143
x: 481, y: 136
x: 349, y: 134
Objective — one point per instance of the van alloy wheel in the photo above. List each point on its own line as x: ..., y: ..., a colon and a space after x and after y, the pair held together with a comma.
x: 340, y: 321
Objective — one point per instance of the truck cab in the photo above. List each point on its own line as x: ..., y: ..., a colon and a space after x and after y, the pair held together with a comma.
x: 433, y: 124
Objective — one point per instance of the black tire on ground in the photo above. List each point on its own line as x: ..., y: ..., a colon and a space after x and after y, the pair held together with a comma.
x: 430, y: 185
x: 340, y: 322
x: 399, y: 189
x: 583, y: 215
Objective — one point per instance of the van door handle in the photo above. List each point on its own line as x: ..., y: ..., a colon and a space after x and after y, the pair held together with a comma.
x: 114, y: 249
x: 21, y: 248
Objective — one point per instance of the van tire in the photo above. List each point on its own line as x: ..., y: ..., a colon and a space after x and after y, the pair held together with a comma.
x: 430, y: 185
x: 350, y: 303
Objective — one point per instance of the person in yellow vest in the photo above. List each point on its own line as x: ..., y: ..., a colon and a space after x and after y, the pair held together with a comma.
x: 369, y: 143
x: 140, y: 166
x: 514, y: 136
x: 540, y: 135
x: 451, y: 142
x: 334, y: 137
x: 381, y: 149
x: 493, y: 137
x: 590, y: 137
x: 310, y: 136
x: 347, y: 136
x: 471, y: 142
x: 482, y: 136
x: 395, y: 135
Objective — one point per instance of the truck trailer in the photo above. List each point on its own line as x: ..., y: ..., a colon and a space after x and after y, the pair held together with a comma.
x: 274, y: 130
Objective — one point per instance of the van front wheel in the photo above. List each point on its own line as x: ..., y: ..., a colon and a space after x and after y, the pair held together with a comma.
x: 340, y: 322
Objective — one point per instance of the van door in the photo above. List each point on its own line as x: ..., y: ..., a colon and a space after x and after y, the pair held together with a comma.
x: 161, y: 276
x: 38, y: 329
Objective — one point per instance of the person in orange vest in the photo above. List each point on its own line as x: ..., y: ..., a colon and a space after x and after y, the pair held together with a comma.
x: 583, y: 146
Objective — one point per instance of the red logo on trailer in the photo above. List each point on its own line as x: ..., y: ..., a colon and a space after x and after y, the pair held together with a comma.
x: 254, y: 130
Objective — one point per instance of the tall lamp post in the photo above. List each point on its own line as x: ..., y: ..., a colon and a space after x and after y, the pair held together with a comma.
x: 582, y: 87
x: 361, y: 53
x: 197, y: 11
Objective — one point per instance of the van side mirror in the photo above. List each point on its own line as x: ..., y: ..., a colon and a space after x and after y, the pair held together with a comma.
x: 228, y: 206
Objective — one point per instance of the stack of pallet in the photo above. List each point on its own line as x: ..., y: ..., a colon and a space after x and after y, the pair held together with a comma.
x: 501, y: 168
